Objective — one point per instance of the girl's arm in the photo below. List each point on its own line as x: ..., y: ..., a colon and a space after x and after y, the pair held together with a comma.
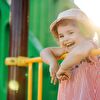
x: 75, y: 56
x: 50, y: 56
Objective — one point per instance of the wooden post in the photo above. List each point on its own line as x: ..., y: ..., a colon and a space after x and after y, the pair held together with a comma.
x: 18, y: 47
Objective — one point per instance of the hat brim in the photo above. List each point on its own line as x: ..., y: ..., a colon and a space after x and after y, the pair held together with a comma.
x: 86, y: 22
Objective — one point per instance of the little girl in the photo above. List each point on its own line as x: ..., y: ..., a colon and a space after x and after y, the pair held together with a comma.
x: 79, y: 73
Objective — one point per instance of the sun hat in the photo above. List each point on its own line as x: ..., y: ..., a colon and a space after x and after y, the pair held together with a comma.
x: 74, y: 14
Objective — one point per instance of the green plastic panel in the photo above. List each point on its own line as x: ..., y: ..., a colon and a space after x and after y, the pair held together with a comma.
x: 4, y: 47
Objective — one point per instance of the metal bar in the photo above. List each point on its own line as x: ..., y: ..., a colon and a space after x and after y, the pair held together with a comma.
x: 18, y: 47
x: 40, y: 78
x: 25, y: 60
x: 30, y: 81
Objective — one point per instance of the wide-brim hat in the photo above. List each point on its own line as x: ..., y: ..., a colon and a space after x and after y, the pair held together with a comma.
x: 74, y: 14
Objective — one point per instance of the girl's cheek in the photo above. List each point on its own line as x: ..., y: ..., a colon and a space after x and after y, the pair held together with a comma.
x: 61, y: 44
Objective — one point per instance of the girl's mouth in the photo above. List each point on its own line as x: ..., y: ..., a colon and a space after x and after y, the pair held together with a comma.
x: 69, y: 44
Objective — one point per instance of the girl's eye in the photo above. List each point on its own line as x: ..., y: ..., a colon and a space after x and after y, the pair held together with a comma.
x: 61, y: 36
x: 71, y: 32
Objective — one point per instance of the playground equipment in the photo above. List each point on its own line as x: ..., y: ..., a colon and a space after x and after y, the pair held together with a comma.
x: 24, y: 61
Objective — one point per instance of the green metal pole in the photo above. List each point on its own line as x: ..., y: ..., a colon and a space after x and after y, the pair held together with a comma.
x: 18, y: 47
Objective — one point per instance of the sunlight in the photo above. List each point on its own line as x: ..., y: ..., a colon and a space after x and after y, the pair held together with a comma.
x: 95, y: 38
x: 91, y: 9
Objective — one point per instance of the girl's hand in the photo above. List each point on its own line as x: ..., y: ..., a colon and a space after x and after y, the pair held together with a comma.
x: 63, y: 74
x: 53, y: 70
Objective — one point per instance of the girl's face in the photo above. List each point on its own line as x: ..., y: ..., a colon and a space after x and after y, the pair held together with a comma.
x: 69, y: 34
